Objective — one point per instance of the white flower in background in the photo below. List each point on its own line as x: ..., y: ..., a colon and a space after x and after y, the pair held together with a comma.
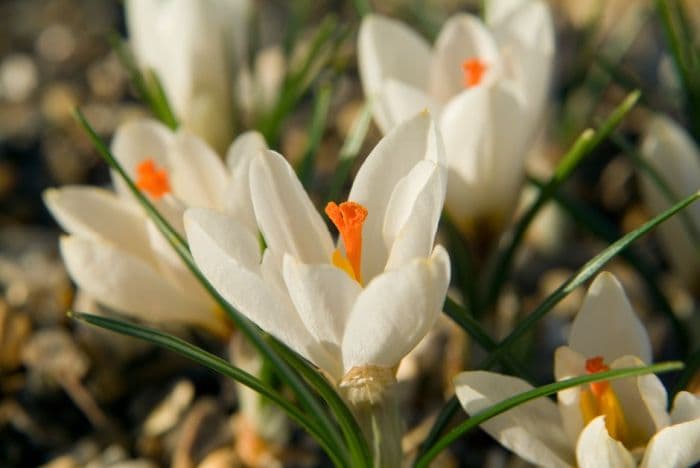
x: 670, y: 151
x: 620, y: 423
x: 486, y: 83
x: 258, y: 87
x: 356, y: 310
x: 195, y: 47
x: 117, y: 255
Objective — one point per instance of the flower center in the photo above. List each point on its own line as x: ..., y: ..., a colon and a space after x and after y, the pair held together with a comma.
x: 474, y: 70
x: 152, y: 179
x: 348, y: 217
x: 600, y: 399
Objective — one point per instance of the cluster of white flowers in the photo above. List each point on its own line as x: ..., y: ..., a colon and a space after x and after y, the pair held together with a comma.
x: 459, y: 120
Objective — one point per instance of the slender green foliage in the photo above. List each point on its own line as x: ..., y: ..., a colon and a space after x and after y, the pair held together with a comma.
x: 348, y: 153
x: 585, y: 273
x: 539, y: 392
x: 307, y: 399
x: 584, y: 144
x: 214, y: 363
x: 316, y: 129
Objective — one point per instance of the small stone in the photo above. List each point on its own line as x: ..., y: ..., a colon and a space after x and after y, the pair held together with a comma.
x: 56, y: 43
x: 18, y: 77
x: 170, y: 410
x: 222, y: 458
x: 15, y: 329
x: 54, y: 352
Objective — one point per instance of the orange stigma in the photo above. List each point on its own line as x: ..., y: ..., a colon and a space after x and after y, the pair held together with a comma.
x: 593, y: 366
x: 602, y: 400
x: 474, y: 70
x: 152, y: 179
x: 348, y: 217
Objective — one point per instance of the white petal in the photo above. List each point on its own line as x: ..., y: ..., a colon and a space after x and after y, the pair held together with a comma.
x: 323, y: 296
x: 568, y: 363
x: 397, y: 101
x: 525, y: 34
x: 463, y: 37
x: 686, y: 407
x: 196, y: 69
x: 486, y: 170
x: 388, y: 48
x: 131, y: 286
x: 137, y: 141
x: 391, y: 160
x: 220, y: 252
x: 198, y: 176
x: 674, y: 447
x: 643, y: 399
x: 243, y: 149
x: 607, y: 325
x: 531, y: 430
x: 413, y: 213
x: 233, y: 238
x: 671, y: 152
x: 285, y: 214
x: 99, y: 214
x: 395, y: 311
x: 140, y: 16
x: 171, y: 266
x: 596, y: 449
x: 238, y: 202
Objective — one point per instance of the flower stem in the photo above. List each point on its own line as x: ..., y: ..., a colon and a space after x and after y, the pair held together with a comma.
x: 381, y: 425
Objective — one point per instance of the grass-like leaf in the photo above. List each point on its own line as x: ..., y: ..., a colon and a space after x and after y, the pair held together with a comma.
x: 539, y: 392
x: 290, y: 377
x: 685, y: 57
x: 604, y: 229
x: 657, y: 179
x: 213, y: 362
x: 347, y: 422
x: 147, y: 85
x: 585, y: 273
x: 586, y: 142
x: 329, y: 35
x: 349, y: 151
x: 319, y: 119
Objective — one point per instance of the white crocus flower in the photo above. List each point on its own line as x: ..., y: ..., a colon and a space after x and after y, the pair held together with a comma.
x: 621, y: 423
x: 351, y: 311
x: 195, y: 47
x: 116, y: 254
x: 486, y: 83
x: 670, y: 151
x: 354, y: 311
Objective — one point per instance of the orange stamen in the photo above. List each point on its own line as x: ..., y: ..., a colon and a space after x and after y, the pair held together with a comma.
x: 152, y: 179
x: 349, y: 217
x: 593, y: 366
x: 474, y: 70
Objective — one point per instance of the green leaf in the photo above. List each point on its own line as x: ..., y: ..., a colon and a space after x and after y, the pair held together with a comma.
x: 658, y: 180
x: 148, y: 85
x: 586, y: 272
x: 291, y: 378
x: 539, y: 392
x: 214, y: 363
x: 362, y: 7
x: 349, y: 151
x: 685, y: 57
x: 318, y: 126
x: 323, y: 46
x: 359, y: 450
x: 599, y: 226
x: 584, y: 144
